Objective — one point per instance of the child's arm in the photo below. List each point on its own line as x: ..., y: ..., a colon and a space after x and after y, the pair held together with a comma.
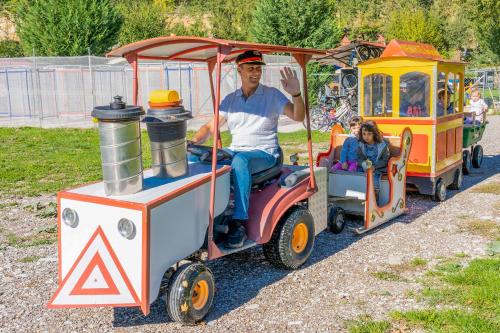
x: 343, y: 152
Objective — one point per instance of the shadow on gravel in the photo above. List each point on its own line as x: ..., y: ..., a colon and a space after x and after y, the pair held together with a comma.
x: 240, y: 277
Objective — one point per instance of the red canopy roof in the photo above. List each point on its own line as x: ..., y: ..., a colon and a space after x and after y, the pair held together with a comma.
x: 399, y: 48
x: 198, y: 49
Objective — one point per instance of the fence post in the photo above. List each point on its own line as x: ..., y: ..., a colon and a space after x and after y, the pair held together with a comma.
x: 8, y: 92
x: 91, y: 79
x: 37, y: 92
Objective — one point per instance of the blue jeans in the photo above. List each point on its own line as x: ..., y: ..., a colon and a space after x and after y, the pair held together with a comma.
x: 243, y: 165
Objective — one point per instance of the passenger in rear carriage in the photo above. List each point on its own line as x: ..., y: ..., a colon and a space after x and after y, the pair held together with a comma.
x: 348, y: 154
x: 373, y: 152
x: 440, y: 104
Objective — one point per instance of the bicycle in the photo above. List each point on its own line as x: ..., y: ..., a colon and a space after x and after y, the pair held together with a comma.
x: 333, y: 110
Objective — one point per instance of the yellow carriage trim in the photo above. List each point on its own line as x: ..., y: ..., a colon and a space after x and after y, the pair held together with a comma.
x: 410, y: 85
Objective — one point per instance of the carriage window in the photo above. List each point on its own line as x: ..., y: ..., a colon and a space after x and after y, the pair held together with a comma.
x: 378, y: 95
x: 442, y: 94
x: 414, y: 95
x: 454, y: 84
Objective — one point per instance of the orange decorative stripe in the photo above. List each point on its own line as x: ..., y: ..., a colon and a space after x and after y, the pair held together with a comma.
x: 250, y: 60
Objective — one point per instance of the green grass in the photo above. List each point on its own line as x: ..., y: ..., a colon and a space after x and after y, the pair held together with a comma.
x: 387, y: 276
x: 44, y: 237
x: 417, y: 262
x: 469, y: 300
x: 37, y: 161
x: 29, y: 259
x: 368, y: 326
x: 485, y: 228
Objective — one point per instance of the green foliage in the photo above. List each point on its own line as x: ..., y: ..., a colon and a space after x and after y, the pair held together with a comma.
x: 295, y: 23
x: 418, y: 25
x: 10, y: 48
x: 484, y: 17
x: 67, y: 27
x: 143, y: 19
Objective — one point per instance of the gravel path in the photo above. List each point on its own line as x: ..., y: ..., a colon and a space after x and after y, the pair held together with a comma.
x: 336, y: 285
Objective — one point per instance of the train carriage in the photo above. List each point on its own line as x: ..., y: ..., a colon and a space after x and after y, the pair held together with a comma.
x: 411, y: 85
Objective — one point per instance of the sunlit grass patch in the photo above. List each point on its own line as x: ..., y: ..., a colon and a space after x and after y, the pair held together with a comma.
x: 470, y: 296
x: 485, y: 228
x: 387, y: 276
x: 29, y: 259
x: 365, y: 324
x: 44, y: 237
x: 492, y: 188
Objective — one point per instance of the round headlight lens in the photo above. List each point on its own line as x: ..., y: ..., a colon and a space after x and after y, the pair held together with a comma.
x: 70, y: 217
x: 126, y: 228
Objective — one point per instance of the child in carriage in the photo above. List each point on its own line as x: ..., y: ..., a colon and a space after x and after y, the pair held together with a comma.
x: 348, y: 154
x: 373, y: 151
x: 478, y: 107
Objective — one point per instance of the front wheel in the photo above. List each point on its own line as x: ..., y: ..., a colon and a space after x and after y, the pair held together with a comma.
x: 190, y: 293
x: 440, y: 191
x: 292, y: 241
x: 477, y: 156
x: 336, y: 220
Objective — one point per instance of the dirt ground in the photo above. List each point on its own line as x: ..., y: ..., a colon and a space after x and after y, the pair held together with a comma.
x: 342, y: 280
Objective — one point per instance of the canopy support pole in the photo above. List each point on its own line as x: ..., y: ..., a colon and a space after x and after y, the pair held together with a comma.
x: 133, y: 61
x: 213, y: 250
x: 302, y: 60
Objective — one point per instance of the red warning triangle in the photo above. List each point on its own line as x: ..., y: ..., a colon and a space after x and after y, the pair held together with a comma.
x: 100, y: 276
x: 95, y: 279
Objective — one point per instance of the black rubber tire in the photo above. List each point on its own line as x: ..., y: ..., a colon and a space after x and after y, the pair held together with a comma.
x: 278, y: 251
x: 181, y: 286
x: 364, y: 53
x: 458, y: 178
x: 336, y: 220
x: 477, y: 156
x: 467, y: 162
x: 440, y: 191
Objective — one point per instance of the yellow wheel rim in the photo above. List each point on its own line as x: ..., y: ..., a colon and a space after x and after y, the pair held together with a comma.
x: 300, y: 237
x: 200, y: 295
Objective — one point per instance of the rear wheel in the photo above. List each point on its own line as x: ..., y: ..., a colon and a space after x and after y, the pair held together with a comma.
x: 440, y: 191
x: 477, y: 156
x: 457, y: 180
x: 190, y: 293
x: 467, y: 162
x: 292, y: 241
x: 336, y: 220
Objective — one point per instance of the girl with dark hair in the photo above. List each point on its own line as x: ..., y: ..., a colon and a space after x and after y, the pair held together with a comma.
x: 373, y: 151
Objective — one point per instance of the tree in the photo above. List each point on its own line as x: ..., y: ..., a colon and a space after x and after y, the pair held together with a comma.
x: 484, y: 16
x: 418, y: 25
x: 295, y: 23
x: 231, y: 19
x: 67, y: 27
x: 298, y: 23
x: 143, y: 19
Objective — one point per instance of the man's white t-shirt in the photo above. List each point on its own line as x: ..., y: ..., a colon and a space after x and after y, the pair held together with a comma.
x: 253, y: 123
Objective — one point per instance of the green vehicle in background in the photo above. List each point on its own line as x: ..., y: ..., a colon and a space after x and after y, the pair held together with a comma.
x: 472, y: 151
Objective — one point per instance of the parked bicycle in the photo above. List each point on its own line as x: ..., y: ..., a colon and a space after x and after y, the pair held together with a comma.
x: 333, y: 110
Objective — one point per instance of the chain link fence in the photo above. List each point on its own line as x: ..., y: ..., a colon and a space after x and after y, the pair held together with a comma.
x: 61, y: 90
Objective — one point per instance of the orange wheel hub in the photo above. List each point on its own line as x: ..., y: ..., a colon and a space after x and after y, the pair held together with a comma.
x: 300, y: 237
x: 200, y: 295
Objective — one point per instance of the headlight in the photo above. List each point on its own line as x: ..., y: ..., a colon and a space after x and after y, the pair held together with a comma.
x: 70, y: 217
x: 126, y: 228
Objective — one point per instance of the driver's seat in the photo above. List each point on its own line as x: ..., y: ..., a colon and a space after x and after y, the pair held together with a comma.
x: 273, y: 172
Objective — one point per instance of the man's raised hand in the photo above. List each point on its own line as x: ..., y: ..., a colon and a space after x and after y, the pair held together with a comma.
x: 289, y: 81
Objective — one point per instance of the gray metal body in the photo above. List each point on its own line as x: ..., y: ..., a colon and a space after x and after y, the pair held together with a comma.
x: 121, y: 156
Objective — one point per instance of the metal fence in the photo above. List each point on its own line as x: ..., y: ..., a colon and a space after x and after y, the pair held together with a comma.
x: 68, y: 87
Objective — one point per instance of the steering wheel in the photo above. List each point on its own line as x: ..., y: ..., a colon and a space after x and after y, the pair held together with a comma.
x: 205, y: 153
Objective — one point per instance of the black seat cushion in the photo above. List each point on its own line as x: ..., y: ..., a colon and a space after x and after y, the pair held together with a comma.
x: 271, y: 173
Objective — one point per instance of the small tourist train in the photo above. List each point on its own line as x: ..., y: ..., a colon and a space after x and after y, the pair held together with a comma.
x: 121, y: 239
